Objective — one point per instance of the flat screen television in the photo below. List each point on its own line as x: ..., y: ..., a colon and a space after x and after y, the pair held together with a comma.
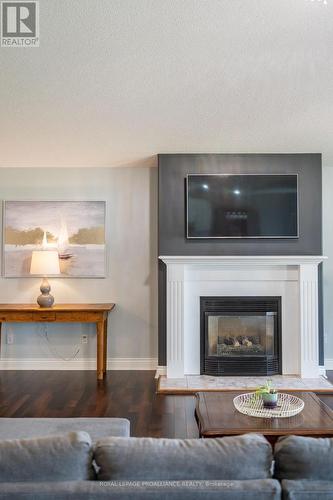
x: 242, y: 206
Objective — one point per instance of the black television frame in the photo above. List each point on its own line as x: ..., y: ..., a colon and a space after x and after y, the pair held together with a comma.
x: 242, y: 237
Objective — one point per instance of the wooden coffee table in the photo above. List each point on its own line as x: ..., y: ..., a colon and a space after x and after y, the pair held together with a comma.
x: 217, y: 417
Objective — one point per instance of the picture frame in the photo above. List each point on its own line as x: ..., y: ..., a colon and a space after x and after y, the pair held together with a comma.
x: 76, y: 229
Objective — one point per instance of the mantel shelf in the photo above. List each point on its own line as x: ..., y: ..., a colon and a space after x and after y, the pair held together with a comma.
x: 260, y: 260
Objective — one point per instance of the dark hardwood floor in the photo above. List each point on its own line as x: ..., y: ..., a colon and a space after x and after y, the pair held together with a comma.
x: 130, y: 394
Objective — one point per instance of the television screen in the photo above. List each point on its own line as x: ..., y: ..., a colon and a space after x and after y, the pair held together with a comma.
x: 242, y: 206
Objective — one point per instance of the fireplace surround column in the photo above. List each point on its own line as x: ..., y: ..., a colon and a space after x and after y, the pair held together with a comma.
x: 175, y: 321
x: 308, y: 290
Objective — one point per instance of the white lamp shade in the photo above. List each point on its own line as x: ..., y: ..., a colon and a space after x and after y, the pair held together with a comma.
x: 45, y: 262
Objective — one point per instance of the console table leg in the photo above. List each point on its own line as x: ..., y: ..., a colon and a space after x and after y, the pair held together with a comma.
x: 100, y: 349
x: 0, y: 337
x: 105, y: 332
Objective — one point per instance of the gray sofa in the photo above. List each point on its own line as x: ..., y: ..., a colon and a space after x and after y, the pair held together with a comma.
x: 76, y: 465
x: 97, y: 428
x: 73, y: 466
x: 304, y: 466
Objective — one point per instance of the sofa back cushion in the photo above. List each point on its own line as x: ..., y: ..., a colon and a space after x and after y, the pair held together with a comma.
x: 58, y: 458
x: 149, y: 459
x: 298, y: 457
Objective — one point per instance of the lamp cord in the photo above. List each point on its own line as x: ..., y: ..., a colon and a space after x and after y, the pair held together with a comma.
x: 44, y: 335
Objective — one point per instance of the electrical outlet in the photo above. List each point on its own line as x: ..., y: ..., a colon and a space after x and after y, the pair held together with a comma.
x: 10, y: 338
x: 84, y: 339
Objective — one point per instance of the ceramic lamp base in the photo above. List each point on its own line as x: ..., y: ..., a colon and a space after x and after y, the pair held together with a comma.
x: 45, y: 299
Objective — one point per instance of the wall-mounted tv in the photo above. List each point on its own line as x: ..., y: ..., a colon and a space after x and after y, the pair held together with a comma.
x: 242, y: 206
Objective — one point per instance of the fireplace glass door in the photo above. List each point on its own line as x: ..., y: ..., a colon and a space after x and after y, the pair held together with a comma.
x: 240, y: 335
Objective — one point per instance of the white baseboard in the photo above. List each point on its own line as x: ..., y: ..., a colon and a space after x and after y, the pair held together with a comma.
x: 329, y: 363
x: 160, y: 370
x: 77, y: 364
x: 322, y: 370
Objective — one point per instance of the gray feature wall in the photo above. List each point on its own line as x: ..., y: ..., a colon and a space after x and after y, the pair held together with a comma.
x: 173, y: 170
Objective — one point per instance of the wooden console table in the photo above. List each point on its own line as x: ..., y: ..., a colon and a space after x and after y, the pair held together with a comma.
x: 64, y: 313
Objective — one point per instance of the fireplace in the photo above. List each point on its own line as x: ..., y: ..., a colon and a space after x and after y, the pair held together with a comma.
x: 240, y: 335
x: 292, y: 278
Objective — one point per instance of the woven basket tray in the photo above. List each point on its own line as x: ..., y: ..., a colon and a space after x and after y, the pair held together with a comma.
x: 252, y: 404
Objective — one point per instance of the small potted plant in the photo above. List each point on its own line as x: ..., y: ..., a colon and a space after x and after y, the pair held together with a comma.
x: 268, y: 394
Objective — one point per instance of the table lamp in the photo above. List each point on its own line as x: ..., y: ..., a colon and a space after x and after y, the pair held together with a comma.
x: 45, y: 263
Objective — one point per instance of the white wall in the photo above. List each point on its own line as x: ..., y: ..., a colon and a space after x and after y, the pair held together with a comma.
x: 328, y: 264
x: 131, y: 282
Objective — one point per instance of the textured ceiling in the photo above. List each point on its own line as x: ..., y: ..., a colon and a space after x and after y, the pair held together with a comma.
x: 116, y: 81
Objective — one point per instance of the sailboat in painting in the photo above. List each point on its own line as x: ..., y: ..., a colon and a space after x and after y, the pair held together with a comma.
x: 44, y: 242
x: 63, y: 242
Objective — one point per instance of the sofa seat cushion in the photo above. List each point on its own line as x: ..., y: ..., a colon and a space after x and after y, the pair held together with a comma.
x: 148, y: 459
x: 298, y: 457
x: 261, y: 489
x: 59, y: 458
x: 303, y: 489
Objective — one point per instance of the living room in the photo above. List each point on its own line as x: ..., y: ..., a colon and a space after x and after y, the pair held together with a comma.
x: 166, y: 277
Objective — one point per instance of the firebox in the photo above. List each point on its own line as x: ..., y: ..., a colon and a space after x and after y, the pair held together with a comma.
x: 240, y: 335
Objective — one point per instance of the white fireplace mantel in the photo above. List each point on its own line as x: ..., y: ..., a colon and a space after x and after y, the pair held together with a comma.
x: 294, y: 278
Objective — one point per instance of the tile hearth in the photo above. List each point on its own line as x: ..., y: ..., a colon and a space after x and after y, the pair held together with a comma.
x: 194, y: 383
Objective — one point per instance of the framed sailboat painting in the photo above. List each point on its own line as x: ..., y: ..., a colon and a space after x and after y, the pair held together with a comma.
x: 76, y: 229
